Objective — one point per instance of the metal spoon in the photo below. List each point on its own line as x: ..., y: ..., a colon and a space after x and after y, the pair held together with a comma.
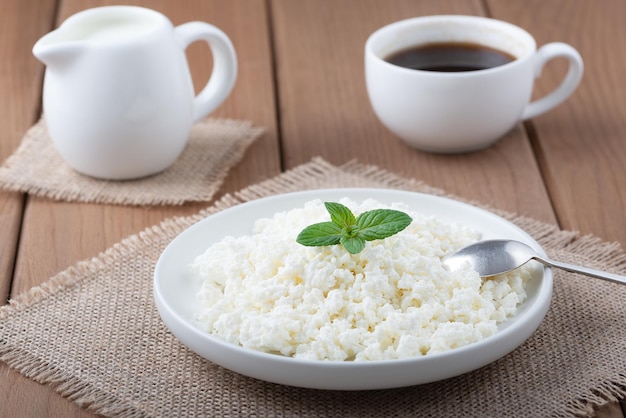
x: 493, y: 257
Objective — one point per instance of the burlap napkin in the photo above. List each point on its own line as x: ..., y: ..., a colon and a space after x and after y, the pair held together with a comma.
x: 92, y: 333
x: 214, y: 146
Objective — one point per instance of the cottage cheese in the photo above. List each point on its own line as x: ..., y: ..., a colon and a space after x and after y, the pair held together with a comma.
x: 393, y: 300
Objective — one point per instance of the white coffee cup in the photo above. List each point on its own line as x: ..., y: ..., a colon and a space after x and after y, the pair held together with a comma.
x: 455, y: 112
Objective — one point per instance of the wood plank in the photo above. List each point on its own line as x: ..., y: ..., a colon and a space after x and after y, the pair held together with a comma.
x: 75, y: 232
x: 582, y: 143
x: 325, y: 109
x: 11, y: 208
x: 56, y: 234
x: 20, y: 80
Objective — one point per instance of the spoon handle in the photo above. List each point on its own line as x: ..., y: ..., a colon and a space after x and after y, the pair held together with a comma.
x: 599, y: 274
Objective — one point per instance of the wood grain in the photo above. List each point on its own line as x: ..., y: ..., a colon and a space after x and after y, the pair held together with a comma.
x: 20, y: 82
x: 582, y: 143
x: 569, y: 166
x: 56, y: 234
x: 73, y: 232
x: 325, y: 110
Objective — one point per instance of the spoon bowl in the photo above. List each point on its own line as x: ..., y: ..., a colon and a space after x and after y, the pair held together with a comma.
x: 492, y: 257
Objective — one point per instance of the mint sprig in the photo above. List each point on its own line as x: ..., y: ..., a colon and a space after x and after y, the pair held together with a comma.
x: 351, y: 231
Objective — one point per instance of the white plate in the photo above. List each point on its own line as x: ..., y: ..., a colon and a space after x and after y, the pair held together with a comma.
x: 175, y: 295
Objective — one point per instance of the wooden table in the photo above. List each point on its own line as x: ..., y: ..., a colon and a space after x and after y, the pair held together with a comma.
x: 301, y: 77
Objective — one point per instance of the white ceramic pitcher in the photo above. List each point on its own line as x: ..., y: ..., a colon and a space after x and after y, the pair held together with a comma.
x: 118, y: 97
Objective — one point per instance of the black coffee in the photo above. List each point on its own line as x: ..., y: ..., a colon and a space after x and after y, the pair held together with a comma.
x: 450, y: 57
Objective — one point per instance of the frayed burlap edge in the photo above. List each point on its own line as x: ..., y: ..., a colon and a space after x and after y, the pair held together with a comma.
x: 609, y: 256
x: 77, y: 187
x: 86, y: 268
x: 85, y: 394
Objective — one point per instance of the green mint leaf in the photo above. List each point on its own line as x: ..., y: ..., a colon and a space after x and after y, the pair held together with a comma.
x: 354, y: 245
x: 339, y: 214
x: 320, y: 234
x: 353, y: 232
x: 381, y: 223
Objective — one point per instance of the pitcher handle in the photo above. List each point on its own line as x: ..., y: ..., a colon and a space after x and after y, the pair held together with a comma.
x: 224, y: 72
x: 566, y: 88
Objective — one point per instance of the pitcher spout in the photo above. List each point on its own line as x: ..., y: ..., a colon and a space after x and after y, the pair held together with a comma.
x: 56, y: 52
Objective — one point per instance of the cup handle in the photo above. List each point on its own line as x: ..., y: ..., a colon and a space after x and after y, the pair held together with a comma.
x: 224, y: 72
x: 567, y: 87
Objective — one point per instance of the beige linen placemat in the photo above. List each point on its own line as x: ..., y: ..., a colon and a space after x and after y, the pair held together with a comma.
x: 214, y: 146
x: 92, y: 333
